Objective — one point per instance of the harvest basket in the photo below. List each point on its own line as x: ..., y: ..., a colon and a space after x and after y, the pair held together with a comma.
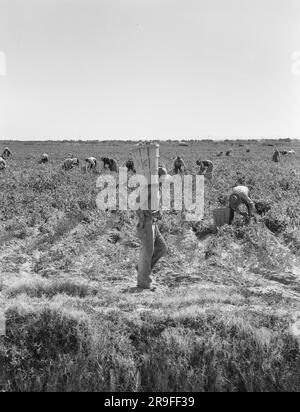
x: 146, y: 160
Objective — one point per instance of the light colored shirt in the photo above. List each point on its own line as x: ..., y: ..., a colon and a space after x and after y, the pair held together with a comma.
x: 243, y: 194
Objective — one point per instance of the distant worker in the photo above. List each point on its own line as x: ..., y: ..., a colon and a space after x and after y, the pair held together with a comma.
x: 228, y: 153
x: 91, y: 163
x: 106, y: 162
x: 241, y: 196
x: 130, y: 166
x: 6, y: 153
x: 44, y: 159
x: 113, y: 165
x: 70, y: 163
x: 205, y: 168
x: 110, y: 164
x: 276, y: 156
x: 219, y: 154
x: 3, y: 164
x: 179, y: 165
x: 162, y: 171
x: 163, y: 176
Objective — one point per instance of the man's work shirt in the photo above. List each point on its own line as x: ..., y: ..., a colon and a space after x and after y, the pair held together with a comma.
x: 242, y: 195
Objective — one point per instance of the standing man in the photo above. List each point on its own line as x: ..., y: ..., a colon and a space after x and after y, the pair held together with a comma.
x: 153, y: 245
x: 179, y: 165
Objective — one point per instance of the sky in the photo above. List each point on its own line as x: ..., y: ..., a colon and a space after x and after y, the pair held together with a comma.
x: 149, y: 69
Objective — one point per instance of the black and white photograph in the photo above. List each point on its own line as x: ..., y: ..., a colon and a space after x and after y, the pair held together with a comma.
x: 149, y: 198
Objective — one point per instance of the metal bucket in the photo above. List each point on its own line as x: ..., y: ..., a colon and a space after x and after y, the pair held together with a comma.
x: 222, y: 216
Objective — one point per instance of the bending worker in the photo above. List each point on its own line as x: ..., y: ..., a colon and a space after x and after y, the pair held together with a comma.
x: 205, y: 168
x: 110, y: 164
x: 90, y: 163
x: 241, y: 196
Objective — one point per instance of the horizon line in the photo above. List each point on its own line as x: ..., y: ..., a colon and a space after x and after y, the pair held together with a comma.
x: 175, y: 139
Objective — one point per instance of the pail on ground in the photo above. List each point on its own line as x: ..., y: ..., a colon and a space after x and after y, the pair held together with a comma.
x: 222, y: 216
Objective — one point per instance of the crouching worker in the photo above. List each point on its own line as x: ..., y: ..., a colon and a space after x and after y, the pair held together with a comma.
x: 153, y: 245
x: 241, y: 196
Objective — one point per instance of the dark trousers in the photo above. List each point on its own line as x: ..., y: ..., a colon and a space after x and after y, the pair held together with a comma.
x: 231, y: 217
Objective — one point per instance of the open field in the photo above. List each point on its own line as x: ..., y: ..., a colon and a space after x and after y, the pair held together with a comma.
x: 223, y: 317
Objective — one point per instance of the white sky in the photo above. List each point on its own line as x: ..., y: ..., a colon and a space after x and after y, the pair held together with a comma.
x: 149, y: 68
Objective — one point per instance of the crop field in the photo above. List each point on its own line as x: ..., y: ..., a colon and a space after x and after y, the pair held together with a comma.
x: 225, y: 315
